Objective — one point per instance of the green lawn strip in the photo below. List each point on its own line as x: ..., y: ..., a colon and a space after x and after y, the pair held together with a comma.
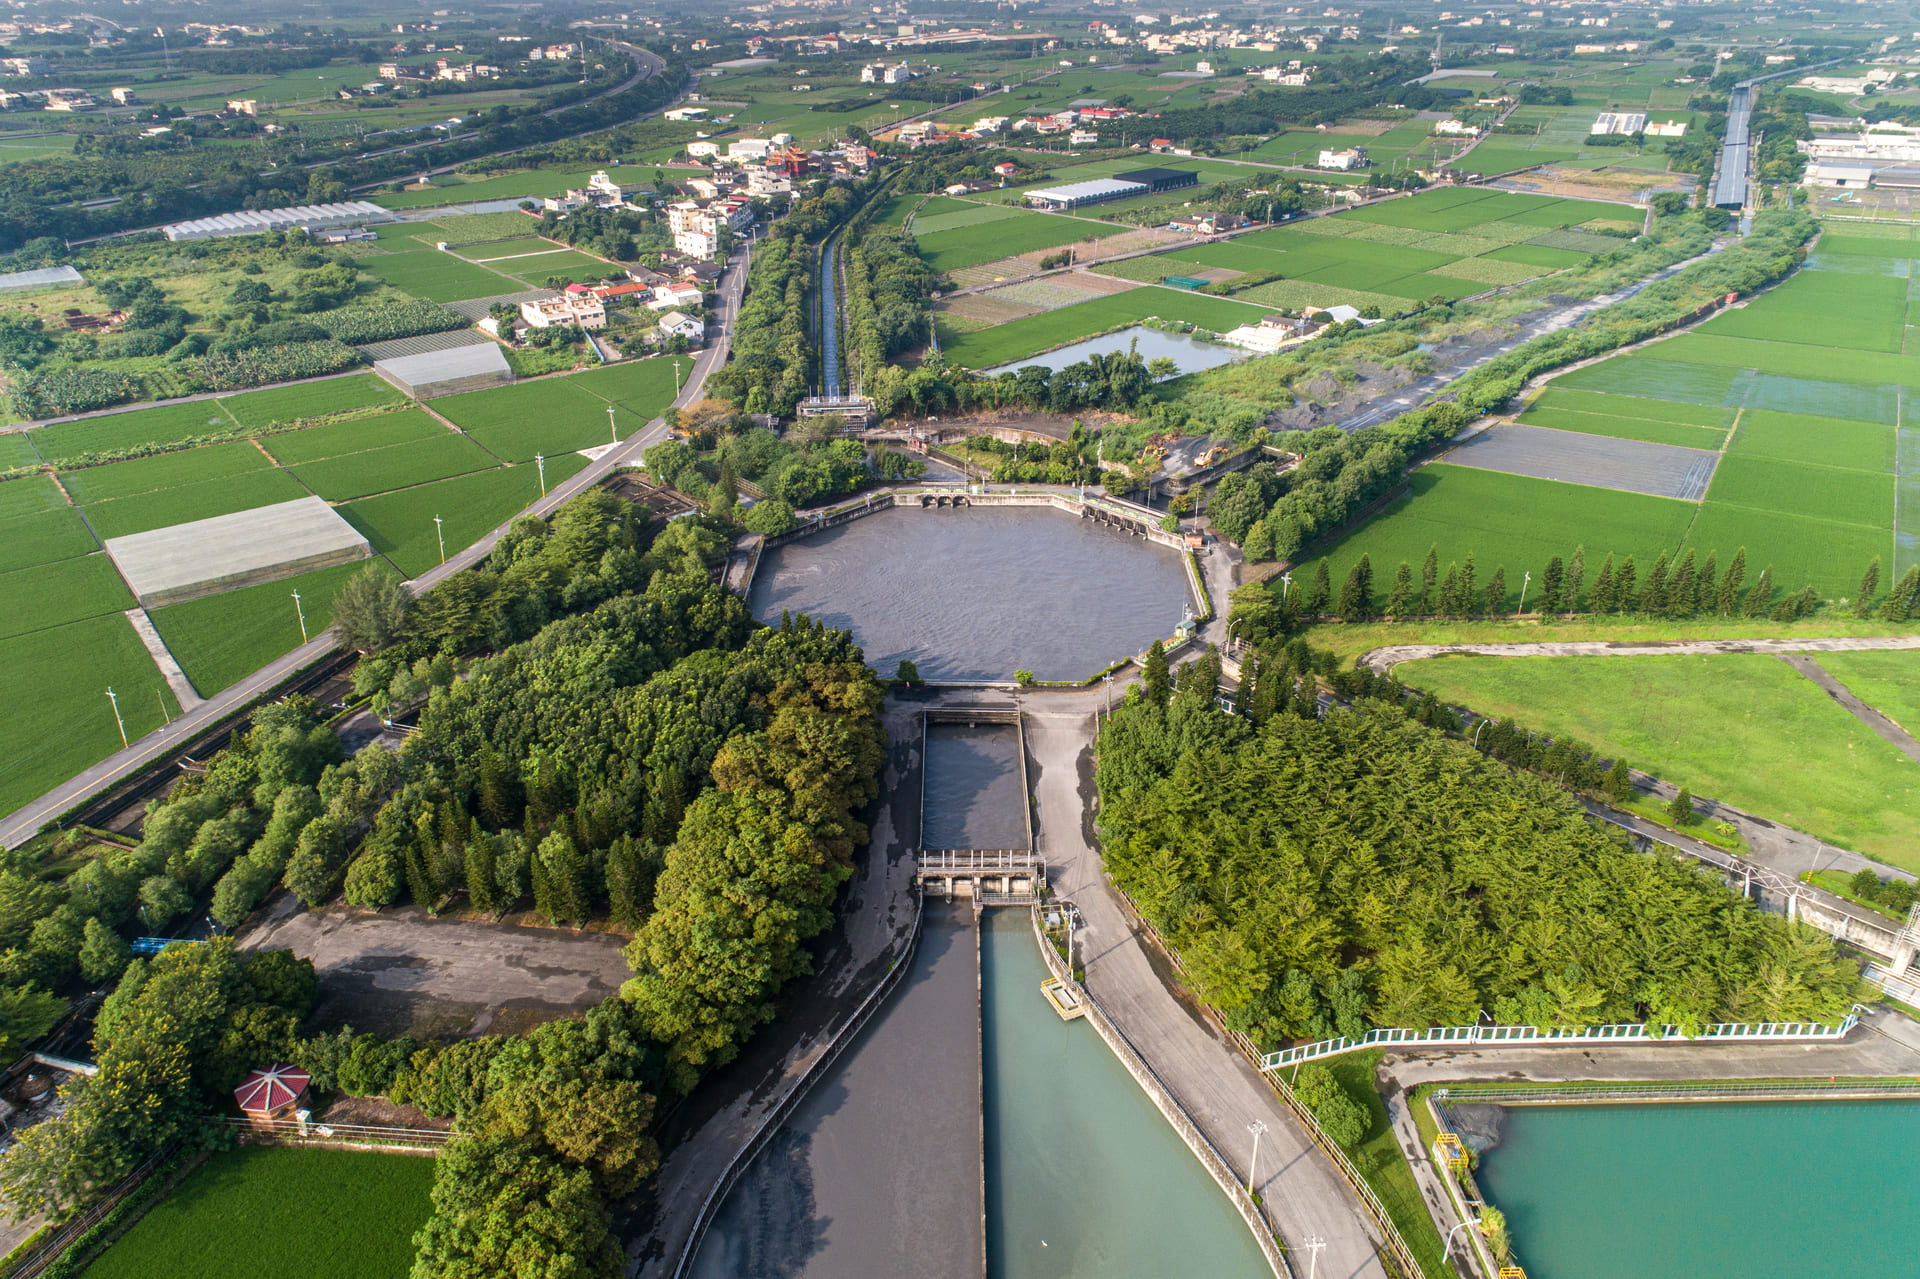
x: 1804, y: 490
x: 1824, y: 554
x: 54, y: 711
x: 972, y: 245
x: 1745, y: 729
x: 1655, y: 810
x: 1510, y: 520
x: 1840, y: 885
x: 550, y: 416
x: 1035, y: 333
x: 92, y: 484
x: 1822, y: 308
x: 1381, y: 1161
x: 396, y: 466
x: 645, y: 387
x: 284, y: 404
x: 188, y: 502
x: 49, y: 595
x: 1625, y: 428
x: 221, y: 639
x: 356, y: 435
x: 156, y: 426
x: 400, y: 525
x: 1559, y: 396
x: 1887, y: 681
x: 1793, y: 359
x: 436, y: 276
x: 275, y: 1212
x: 1827, y: 441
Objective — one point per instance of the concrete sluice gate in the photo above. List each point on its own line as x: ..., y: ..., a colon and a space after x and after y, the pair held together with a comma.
x: 976, y: 825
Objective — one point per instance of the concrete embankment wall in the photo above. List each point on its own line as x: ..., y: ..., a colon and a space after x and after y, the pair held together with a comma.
x: 1175, y: 1114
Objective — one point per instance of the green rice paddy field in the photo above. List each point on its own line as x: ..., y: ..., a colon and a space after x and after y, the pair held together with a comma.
x: 434, y: 275
x: 1023, y: 337
x: 400, y: 525
x: 1807, y: 482
x: 270, y: 1212
x: 221, y: 639
x: 1802, y: 758
x: 967, y: 246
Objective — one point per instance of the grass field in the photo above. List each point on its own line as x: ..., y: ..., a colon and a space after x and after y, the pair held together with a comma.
x: 643, y: 387
x: 1888, y: 682
x: 1803, y: 490
x: 138, y: 429
x: 337, y: 439
x: 1509, y: 520
x: 54, y: 710
x: 971, y: 245
x: 551, y: 416
x: 1823, y: 308
x: 324, y: 398
x: 400, y: 525
x: 1034, y: 333
x: 1745, y: 729
x: 224, y: 638
x: 436, y: 276
x: 280, y: 1213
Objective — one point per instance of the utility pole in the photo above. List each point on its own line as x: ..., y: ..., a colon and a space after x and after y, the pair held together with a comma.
x: 441, y: 534
x: 612, y: 430
x: 116, y: 718
x: 162, y: 699
x: 541, y: 462
x: 297, y: 608
x: 1314, y: 1245
x: 1523, y: 590
x: 1256, y: 1128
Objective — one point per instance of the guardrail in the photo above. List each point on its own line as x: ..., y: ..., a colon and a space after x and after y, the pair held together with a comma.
x: 1554, y: 1037
x: 56, y: 1244
x: 307, y: 1132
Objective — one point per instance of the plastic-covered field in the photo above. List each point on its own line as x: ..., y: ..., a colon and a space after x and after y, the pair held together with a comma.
x: 1600, y: 461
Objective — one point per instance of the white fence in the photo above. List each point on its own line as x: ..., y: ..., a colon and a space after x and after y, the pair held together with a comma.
x: 1534, y: 1037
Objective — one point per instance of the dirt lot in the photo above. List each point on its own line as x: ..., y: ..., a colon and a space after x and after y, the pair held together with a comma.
x: 400, y: 972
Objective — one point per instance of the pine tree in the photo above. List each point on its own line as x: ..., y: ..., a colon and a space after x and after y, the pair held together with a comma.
x: 1603, y: 589
x: 1760, y: 598
x: 1653, y: 597
x: 542, y: 886
x: 1356, y: 595
x: 1321, y: 592
x: 1270, y: 691
x: 1618, y: 784
x: 1679, y: 601
x: 566, y: 875
x: 1402, y: 597
x: 1869, y: 587
x: 419, y: 881
x: 1497, y: 592
x: 1243, y: 691
x: 1306, y: 702
x: 480, y: 886
x: 1729, y: 599
x: 1903, y: 601
x: 630, y: 873
x: 1154, y: 680
x: 1576, y: 573
x: 1429, y: 575
x: 1550, y: 583
x: 1705, y: 591
x: 1449, y: 592
x: 494, y: 804
x: 1680, y: 808
x: 1467, y: 600
x: 1623, y: 592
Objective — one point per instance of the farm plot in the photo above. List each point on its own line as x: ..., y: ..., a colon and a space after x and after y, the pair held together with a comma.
x: 550, y: 416
x: 642, y: 387
x: 568, y: 264
x: 496, y: 250
x: 41, y: 537
x: 431, y: 274
x: 1795, y: 359
x: 154, y: 492
x: 461, y: 229
x: 91, y: 485
x: 154, y: 428
x: 53, y: 707
x: 221, y: 639
x: 1643, y: 375
x: 1632, y: 466
x: 16, y: 449
x: 1021, y: 338
x: 1627, y: 418
x: 400, y: 525
x: 1826, y: 441
x: 1823, y: 308
x: 281, y: 1213
x: 1513, y: 521
x: 396, y: 466
x: 1801, y: 489
x: 942, y: 214
x: 530, y: 182
x: 327, y: 397
x: 1023, y: 233
x: 69, y: 590
x: 1538, y: 255
x: 337, y: 439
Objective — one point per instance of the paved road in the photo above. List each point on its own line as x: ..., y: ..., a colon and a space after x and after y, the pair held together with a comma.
x: 1894, y: 735
x: 1301, y: 1192
x: 22, y: 824
x: 1385, y: 659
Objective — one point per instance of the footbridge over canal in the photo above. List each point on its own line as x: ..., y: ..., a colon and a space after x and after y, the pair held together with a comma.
x: 987, y: 876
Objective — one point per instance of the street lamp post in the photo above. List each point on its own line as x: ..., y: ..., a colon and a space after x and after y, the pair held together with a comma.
x: 541, y: 462
x: 1447, y: 1247
x: 441, y: 534
x: 676, y: 376
x: 1109, y: 678
x: 301, y: 612
x: 116, y: 718
x: 1313, y: 1246
x: 1256, y: 1128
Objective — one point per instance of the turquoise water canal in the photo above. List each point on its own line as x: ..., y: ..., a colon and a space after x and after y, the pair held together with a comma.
x: 1084, y: 1177
x: 1816, y: 1190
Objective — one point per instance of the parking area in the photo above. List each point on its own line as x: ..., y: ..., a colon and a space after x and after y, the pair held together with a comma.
x: 401, y: 972
x: 1633, y: 466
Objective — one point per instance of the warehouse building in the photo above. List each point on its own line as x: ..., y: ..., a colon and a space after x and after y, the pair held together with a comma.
x: 1158, y: 180
x: 307, y: 217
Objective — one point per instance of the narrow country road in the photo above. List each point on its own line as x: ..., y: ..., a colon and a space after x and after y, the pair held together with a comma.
x: 23, y: 823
